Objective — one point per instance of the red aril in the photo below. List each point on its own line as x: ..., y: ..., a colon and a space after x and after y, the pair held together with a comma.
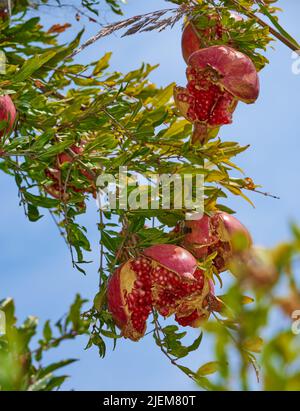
x: 218, y: 78
x: 166, y: 278
x: 129, y: 297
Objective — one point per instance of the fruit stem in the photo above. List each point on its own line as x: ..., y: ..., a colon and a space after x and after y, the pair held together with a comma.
x: 200, y: 133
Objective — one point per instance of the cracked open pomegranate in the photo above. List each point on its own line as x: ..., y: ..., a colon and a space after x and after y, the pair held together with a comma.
x: 166, y: 278
x: 221, y: 233
x: 194, y: 38
x: 218, y: 78
x: 7, y: 114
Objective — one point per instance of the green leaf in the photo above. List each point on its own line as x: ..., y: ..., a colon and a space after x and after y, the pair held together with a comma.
x: 102, y: 64
x: 55, y: 366
x: 47, y: 332
x: 208, y: 368
x: 33, y: 64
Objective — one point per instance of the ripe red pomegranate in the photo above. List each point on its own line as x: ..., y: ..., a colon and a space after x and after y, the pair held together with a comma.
x: 8, y: 114
x: 218, y: 77
x: 221, y: 233
x: 166, y: 278
x: 178, y: 286
x: 194, y: 39
x: 65, y: 157
x: 129, y: 297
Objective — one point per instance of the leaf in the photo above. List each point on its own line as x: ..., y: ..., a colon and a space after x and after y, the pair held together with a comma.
x: 278, y: 26
x: 40, y: 201
x: 102, y: 64
x: 247, y: 300
x: 47, y: 332
x: 55, y: 366
x: 254, y: 344
x: 33, y: 64
x: 33, y: 213
x: 41, y: 383
x: 208, y: 368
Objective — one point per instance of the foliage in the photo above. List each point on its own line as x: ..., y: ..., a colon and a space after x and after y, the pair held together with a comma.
x: 21, y: 367
x: 123, y: 120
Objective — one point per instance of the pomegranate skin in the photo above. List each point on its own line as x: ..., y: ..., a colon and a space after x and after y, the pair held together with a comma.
x: 178, y: 286
x: 237, y: 74
x: 193, y: 40
x: 174, y: 258
x: 66, y: 157
x: 190, y: 41
x: 115, y: 299
x: 129, y: 297
x: 166, y: 278
x: 8, y: 113
x: 216, y: 233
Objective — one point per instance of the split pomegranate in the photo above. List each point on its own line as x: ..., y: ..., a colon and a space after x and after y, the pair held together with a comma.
x: 221, y: 233
x: 7, y: 114
x: 164, y: 277
x: 218, y: 78
x: 129, y: 297
x: 194, y: 38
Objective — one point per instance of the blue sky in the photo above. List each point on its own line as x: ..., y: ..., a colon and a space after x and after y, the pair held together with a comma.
x: 35, y: 264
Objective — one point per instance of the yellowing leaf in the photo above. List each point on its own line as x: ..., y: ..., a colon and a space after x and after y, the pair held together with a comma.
x: 102, y: 64
x: 254, y: 344
x: 209, y: 368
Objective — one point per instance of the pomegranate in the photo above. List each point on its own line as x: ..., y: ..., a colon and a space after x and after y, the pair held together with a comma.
x: 194, y: 39
x: 56, y: 189
x: 221, y: 233
x: 164, y: 277
x: 178, y: 286
x: 7, y: 113
x: 129, y: 297
x: 218, y: 77
x: 255, y: 268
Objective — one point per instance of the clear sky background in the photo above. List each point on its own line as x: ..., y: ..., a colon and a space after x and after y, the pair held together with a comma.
x: 35, y: 266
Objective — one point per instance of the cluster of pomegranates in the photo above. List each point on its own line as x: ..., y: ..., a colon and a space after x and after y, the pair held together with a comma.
x: 218, y: 78
x: 167, y: 277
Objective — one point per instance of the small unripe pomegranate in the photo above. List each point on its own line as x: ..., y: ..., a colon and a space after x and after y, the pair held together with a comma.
x: 221, y: 233
x: 8, y: 114
x: 194, y: 39
x: 164, y: 277
x: 218, y: 78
